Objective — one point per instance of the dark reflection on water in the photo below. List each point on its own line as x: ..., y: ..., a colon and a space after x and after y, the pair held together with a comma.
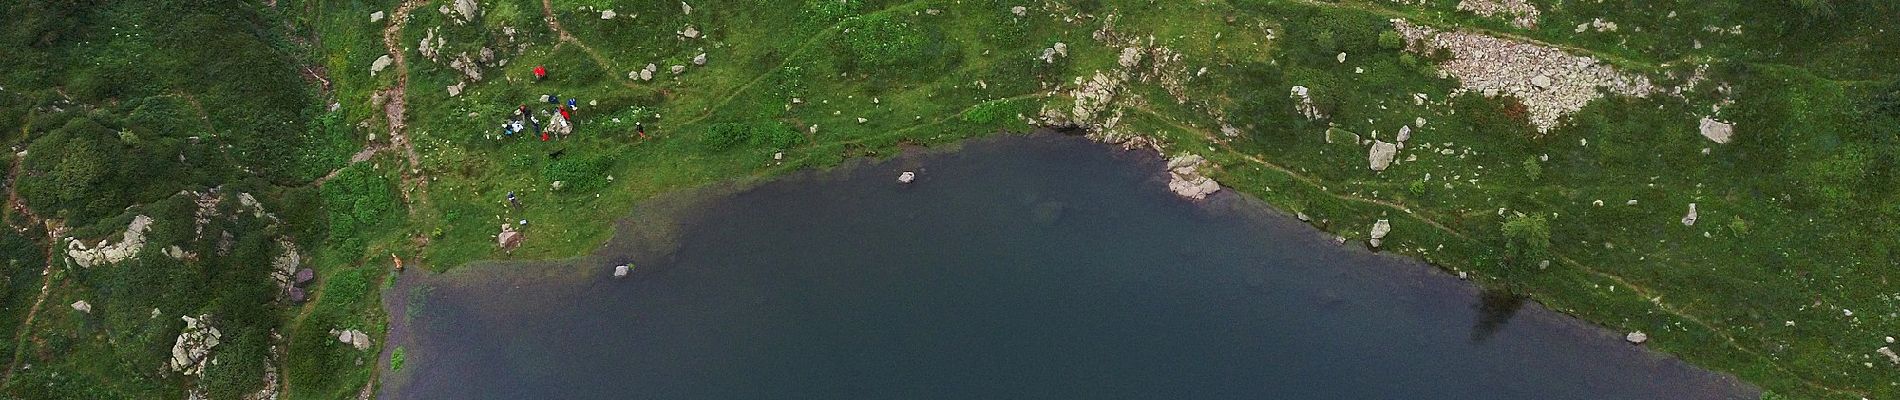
x: 1495, y: 308
x: 1018, y: 267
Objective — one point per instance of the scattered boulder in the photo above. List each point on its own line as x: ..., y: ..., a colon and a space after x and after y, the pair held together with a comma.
x: 303, y: 277
x: 193, y: 347
x: 1405, y: 133
x: 297, y: 295
x: 1887, y: 351
x: 690, y: 32
x: 699, y: 59
x: 509, y: 237
x: 1379, y: 230
x: 380, y: 64
x: 1717, y: 131
x: 1305, y: 105
x: 1019, y: 11
x: 1550, y: 82
x: 686, y: 8
x: 1381, y: 155
x: 376, y: 16
x: 1689, y: 220
x: 620, y: 271
x: 1522, y: 13
x: 608, y: 14
x: 82, y: 306
x: 677, y: 69
x: 354, y: 338
x: 907, y: 177
x: 1637, y: 337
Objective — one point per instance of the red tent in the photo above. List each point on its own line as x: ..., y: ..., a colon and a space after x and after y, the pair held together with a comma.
x: 540, y: 72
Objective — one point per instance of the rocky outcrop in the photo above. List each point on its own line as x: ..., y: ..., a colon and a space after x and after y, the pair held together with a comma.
x: 1185, y: 179
x: 1521, y: 12
x: 1550, y: 82
x: 193, y: 347
x: 129, y: 245
x: 1304, y: 103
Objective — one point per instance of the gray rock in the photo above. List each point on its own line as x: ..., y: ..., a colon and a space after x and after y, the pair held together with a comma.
x: 699, y: 59
x: 608, y: 14
x: 1689, y: 220
x: 193, y: 346
x: 1381, y: 155
x: 376, y: 16
x: 907, y: 177
x: 1379, y: 230
x: 1637, y: 337
x: 620, y: 271
x: 1886, y: 351
x: 1717, y: 131
x: 82, y: 306
x: 380, y: 64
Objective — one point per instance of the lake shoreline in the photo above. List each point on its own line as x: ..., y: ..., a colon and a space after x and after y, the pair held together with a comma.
x: 681, y: 204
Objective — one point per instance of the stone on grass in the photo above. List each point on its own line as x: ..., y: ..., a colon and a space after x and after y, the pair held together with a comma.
x: 1717, y: 131
x: 193, y: 346
x: 686, y: 8
x: 1637, y: 337
x: 380, y: 64
x: 1689, y: 220
x: 1405, y: 133
x: 1379, y: 230
x: 354, y: 338
x: 690, y: 32
x: 376, y: 16
x: 82, y: 306
x: 1381, y: 155
x: 677, y: 69
x: 608, y: 14
x: 699, y: 59
x: 1019, y: 11
x: 1891, y: 356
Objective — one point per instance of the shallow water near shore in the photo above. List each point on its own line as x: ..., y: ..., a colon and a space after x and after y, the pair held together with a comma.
x: 1040, y: 266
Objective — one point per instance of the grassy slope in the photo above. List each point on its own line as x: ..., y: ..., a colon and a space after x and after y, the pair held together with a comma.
x: 1796, y: 215
x: 1719, y: 300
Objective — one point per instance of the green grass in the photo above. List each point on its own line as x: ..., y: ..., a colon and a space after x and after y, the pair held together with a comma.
x: 1797, y: 215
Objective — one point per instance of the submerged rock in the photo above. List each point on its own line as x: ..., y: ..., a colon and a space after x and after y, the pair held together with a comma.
x: 907, y: 177
x: 621, y: 271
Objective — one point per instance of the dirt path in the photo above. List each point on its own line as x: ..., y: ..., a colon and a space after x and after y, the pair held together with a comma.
x: 396, y: 107
x: 14, y: 204
x: 547, y: 13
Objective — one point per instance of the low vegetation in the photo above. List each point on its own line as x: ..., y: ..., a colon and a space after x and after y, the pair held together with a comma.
x: 128, y: 109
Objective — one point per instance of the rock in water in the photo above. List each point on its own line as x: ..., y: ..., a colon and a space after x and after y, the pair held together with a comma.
x: 1689, y: 220
x: 1637, y: 337
x: 907, y: 177
x: 621, y: 271
x: 1717, y: 131
x: 1379, y: 230
x: 1381, y: 155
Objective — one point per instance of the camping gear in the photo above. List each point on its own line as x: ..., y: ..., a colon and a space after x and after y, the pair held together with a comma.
x: 570, y: 104
x: 554, y: 99
x: 540, y: 73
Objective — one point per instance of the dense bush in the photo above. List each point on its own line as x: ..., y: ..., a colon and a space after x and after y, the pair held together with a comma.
x: 767, y: 134
x: 578, y: 173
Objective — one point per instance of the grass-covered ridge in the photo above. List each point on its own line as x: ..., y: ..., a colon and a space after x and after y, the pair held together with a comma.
x: 1783, y: 280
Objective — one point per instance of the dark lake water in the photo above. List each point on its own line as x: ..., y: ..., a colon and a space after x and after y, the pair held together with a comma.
x: 1016, y: 267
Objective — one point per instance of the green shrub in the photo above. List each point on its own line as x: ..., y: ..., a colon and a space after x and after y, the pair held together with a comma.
x: 578, y: 173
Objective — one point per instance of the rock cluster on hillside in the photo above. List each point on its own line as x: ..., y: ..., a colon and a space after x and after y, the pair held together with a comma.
x: 193, y: 347
x: 129, y: 244
x: 1521, y: 12
x: 1550, y: 82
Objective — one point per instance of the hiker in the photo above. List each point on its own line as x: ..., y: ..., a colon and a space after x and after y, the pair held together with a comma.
x: 641, y: 129
x: 540, y: 73
x: 514, y: 201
